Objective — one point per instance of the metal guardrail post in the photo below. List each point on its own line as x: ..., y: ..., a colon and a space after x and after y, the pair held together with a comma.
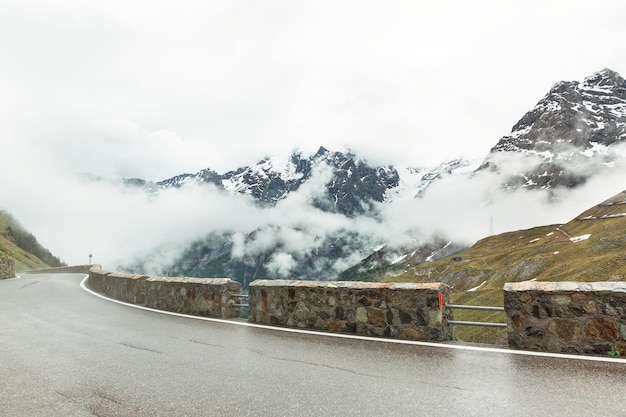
x: 484, y: 308
x: 242, y: 296
x: 243, y: 304
x: 474, y: 323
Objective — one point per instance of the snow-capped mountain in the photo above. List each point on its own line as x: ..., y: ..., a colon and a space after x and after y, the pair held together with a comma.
x: 568, y: 136
x: 573, y: 133
x: 351, y: 187
x: 355, y: 186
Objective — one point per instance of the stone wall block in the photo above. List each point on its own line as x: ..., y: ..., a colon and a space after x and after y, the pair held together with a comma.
x: 566, y: 317
x: 614, y: 305
x: 196, y: 296
x: 410, y: 311
x: 567, y: 330
x: 74, y: 269
x: 601, y: 328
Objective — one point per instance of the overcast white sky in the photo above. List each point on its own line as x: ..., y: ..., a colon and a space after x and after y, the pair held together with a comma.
x: 152, y: 89
x: 155, y: 88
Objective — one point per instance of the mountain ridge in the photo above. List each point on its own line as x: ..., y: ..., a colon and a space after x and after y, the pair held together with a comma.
x: 571, y: 135
x: 270, y: 180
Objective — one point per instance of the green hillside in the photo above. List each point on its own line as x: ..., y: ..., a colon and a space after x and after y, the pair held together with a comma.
x: 591, y: 247
x: 20, y: 248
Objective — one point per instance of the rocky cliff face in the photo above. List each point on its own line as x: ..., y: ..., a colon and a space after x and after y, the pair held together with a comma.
x: 568, y: 136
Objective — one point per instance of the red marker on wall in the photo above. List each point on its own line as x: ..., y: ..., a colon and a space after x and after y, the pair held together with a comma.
x: 440, y: 300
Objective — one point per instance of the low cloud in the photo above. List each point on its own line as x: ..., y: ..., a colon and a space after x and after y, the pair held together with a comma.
x: 74, y: 217
x: 463, y: 207
x: 281, y: 264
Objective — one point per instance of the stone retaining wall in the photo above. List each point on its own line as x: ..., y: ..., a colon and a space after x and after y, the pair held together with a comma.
x: 208, y: 297
x: 7, y: 268
x: 75, y: 269
x: 406, y: 311
x: 570, y: 317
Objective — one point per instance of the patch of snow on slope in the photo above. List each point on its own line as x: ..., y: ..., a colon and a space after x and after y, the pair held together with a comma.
x: 606, y: 216
x: 235, y: 184
x: 520, y: 132
x: 432, y: 255
x: 285, y: 168
x: 477, y: 287
x: 613, y: 216
x: 580, y: 238
x: 400, y: 259
x: 546, y: 155
x: 596, y: 148
x: 471, y: 166
x: 410, y: 179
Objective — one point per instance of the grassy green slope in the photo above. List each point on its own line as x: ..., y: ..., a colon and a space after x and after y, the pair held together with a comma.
x: 591, y: 247
x: 8, y: 247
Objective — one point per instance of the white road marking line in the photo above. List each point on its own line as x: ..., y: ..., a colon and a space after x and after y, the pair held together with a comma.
x: 365, y: 338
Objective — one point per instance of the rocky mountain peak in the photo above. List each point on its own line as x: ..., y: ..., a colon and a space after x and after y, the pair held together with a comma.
x: 321, y: 152
x: 573, y: 122
x: 354, y: 188
x: 606, y: 79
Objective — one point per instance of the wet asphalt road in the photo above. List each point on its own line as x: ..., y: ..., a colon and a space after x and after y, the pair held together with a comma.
x: 65, y: 352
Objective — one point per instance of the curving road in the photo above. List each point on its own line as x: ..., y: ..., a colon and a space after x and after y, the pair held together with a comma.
x: 65, y: 352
